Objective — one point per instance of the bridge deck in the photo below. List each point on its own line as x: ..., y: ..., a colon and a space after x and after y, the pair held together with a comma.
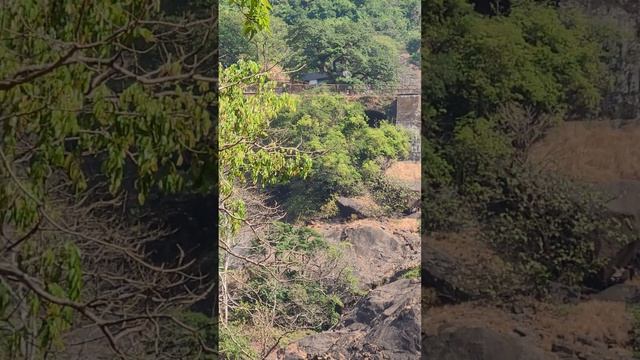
x: 345, y: 89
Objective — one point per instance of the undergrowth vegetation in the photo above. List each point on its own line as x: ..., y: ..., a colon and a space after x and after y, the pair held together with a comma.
x: 302, y: 287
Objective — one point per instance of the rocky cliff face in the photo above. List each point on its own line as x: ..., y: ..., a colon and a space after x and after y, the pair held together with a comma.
x: 624, y: 100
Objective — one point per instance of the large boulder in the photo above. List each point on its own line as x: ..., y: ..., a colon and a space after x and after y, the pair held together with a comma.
x: 623, y: 196
x: 375, y: 254
x: 588, y: 351
x: 359, y: 207
x: 464, y: 267
x: 392, y: 314
x: 623, y: 202
x: 376, y: 251
x: 620, y: 293
x: 445, y: 274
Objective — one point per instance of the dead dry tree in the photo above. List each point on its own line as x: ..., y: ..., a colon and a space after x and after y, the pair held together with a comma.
x: 238, y: 250
x: 269, y: 258
x: 524, y: 125
x: 127, y: 302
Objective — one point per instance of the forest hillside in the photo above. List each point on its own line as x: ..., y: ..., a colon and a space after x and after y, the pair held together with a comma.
x: 529, y: 193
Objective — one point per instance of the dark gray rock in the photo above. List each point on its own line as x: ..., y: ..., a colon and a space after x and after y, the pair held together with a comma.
x: 623, y: 196
x: 386, y: 325
x: 479, y: 343
x: 580, y: 350
x: 448, y: 277
x: 620, y: 293
x: 624, y: 203
x: 564, y: 294
x: 357, y: 207
x: 393, y: 312
x: 375, y: 254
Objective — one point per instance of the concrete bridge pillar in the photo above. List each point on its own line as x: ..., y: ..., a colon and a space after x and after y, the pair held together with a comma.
x: 405, y: 112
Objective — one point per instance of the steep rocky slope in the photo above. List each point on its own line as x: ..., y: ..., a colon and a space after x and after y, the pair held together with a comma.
x: 384, y: 323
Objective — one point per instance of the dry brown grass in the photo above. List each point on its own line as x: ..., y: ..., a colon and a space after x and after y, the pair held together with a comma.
x: 405, y: 173
x: 391, y: 225
x: 601, y: 321
x: 604, y: 321
x: 597, y: 151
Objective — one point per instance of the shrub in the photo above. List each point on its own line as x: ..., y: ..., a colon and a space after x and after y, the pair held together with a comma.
x: 413, y: 45
x: 551, y: 226
x: 413, y: 273
x: 635, y: 311
x: 305, y: 285
x: 180, y: 343
x: 393, y: 198
x: 443, y: 209
x: 478, y: 153
x: 234, y: 345
x: 344, y: 147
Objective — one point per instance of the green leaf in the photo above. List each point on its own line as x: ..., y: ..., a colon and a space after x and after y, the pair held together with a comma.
x: 147, y: 34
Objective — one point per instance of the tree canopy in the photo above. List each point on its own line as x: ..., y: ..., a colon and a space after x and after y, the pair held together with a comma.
x: 352, y: 41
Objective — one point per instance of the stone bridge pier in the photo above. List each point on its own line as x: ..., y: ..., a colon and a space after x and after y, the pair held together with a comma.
x: 405, y: 112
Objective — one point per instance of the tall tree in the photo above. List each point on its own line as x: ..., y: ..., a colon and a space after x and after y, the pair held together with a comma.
x: 345, y: 49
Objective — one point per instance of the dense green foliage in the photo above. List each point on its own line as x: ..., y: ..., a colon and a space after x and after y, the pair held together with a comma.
x: 493, y: 85
x: 247, y: 156
x: 335, y: 37
x: 537, y: 56
x: 266, y: 48
x: 346, y: 151
x: 394, y: 19
x: 345, y: 49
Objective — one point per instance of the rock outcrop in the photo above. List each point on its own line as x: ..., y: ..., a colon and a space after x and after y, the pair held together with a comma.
x: 377, y: 250
x: 462, y: 267
x: 625, y: 293
x: 386, y: 322
x: 384, y: 326
x: 360, y: 207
